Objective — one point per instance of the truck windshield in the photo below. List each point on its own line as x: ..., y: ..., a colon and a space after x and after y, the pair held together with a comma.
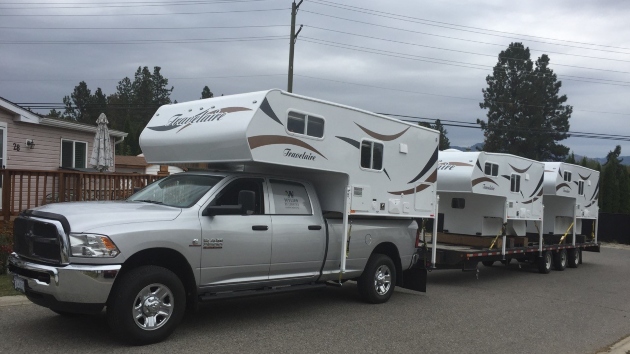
x: 181, y: 191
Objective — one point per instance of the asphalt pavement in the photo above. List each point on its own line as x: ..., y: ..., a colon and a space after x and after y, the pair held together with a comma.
x: 506, y: 309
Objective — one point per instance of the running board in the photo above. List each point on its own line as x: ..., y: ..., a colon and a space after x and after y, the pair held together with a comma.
x: 261, y: 291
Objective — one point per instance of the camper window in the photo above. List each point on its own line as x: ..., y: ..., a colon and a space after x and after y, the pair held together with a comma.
x: 290, y: 198
x: 491, y: 169
x: 458, y: 203
x: 304, y: 124
x: 371, y: 155
x: 580, y: 187
x: 567, y: 176
x: 515, y: 183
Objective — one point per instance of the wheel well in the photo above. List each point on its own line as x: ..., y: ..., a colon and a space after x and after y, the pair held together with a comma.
x: 390, y: 250
x: 169, y: 259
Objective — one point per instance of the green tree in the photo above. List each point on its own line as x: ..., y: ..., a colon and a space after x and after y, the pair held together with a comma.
x: 54, y: 113
x: 206, y: 93
x: 526, y: 116
x: 571, y: 158
x: 610, y: 198
x: 445, y: 143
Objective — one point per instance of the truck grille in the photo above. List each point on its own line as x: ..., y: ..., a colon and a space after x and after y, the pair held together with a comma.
x: 37, y: 240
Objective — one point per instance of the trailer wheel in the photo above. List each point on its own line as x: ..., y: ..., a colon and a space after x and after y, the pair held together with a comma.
x: 560, y: 260
x: 574, y: 257
x: 376, y: 284
x: 487, y: 263
x: 544, y: 263
x: 146, y: 305
x: 506, y: 261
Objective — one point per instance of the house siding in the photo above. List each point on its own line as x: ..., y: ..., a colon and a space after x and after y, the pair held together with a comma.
x: 46, y: 155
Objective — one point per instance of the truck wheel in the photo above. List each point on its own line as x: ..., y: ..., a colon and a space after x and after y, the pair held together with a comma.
x: 560, y: 260
x: 506, y: 261
x: 146, y: 305
x: 574, y: 257
x: 544, y: 263
x: 376, y: 284
x: 487, y: 263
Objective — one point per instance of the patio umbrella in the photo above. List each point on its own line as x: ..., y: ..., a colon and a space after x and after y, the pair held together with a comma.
x: 102, y: 158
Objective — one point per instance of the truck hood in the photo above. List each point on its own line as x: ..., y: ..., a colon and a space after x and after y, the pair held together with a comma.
x: 84, y: 216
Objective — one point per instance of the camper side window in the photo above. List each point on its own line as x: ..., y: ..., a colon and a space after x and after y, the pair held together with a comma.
x: 371, y: 155
x: 581, y: 187
x: 515, y: 183
x: 290, y: 198
x: 567, y: 176
x: 491, y: 169
x: 304, y: 124
x: 458, y: 203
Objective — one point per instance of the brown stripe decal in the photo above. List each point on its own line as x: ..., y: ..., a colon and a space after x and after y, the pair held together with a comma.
x: 264, y: 140
x: 457, y: 164
x: 584, y: 178
x: 563, y: 185
x: 234, y: 109
x: 381, y: 136
x: 432, y: 178
x: 530, y: 201
x: 540, y: 193
x: 476, y: 181
x: 419, y: 188
x: 520, y: 170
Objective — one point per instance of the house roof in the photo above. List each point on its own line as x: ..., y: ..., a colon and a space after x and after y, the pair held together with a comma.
x: 21, y: 114
x: 130, y: 161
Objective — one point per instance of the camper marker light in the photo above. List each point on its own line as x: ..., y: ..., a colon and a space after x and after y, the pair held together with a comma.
x: 92, y: 245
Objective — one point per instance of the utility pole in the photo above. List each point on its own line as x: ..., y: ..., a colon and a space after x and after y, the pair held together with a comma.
x: 293, y: 38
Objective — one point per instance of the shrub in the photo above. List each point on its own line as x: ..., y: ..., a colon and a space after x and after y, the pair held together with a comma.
x: 6, y: 244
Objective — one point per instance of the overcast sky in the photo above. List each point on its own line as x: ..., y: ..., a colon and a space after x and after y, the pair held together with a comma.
x: 414, y: 58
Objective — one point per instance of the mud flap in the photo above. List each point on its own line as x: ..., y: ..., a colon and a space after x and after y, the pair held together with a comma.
x: 415, y: 279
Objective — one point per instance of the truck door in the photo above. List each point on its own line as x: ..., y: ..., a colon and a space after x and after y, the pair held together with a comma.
x: 236, y: 248
x: 299, y: 233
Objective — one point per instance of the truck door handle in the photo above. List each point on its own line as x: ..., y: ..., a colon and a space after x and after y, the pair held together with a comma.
x: 314, y: 227
x: 260, y: 227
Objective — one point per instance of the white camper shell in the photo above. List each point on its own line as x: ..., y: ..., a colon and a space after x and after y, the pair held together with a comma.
x: 388, y: 165
x: 571, y: 195
x: 480, y: 191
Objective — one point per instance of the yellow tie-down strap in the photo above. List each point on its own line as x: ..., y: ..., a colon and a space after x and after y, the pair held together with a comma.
x: 565, y: 234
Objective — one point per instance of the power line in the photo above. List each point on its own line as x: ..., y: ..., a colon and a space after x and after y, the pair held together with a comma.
x: 455, y: 38
x: 166, y: 14
x: 152, y: 41
x: 171, y: 78
x: 127, y: 5
x: 139, y: 28
x: 440, y: 24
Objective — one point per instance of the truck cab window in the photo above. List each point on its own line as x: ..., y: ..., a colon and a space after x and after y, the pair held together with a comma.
x: 229, y: 194
x: 290, y: 198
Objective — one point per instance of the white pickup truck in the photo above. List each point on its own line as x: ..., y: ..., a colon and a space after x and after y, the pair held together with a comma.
x: 323, y: 193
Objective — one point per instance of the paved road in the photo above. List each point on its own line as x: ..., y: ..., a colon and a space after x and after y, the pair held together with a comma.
x: 506, y: 310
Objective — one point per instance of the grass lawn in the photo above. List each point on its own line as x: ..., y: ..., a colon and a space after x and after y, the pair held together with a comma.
x: 6, y: 286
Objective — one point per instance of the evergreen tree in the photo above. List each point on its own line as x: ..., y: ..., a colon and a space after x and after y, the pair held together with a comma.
x: 54, y: 113
x: 526, y: 116
x: 571, y: 158
x: 445, y: 143
x: 206, y: 93
x: 610, y: 198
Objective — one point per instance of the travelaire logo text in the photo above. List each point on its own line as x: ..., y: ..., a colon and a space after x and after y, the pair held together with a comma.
x: 208, y: 115
x: 300, y: 155
x: 446, y: 166
x: 491, y: 188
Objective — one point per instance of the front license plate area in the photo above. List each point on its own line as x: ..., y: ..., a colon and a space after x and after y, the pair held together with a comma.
x: 19, y: 284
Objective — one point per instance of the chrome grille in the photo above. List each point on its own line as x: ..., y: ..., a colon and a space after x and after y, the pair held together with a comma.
x: 37, y: 240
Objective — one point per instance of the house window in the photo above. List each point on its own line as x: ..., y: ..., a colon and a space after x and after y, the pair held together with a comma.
x: 305, y: 124
x: 371, y: 155
x: 515, y: 183
x: 73, y: 154
x: 567, y: 176
x: 458, y: 203
x: 580, y: 187
x: 492, y: 169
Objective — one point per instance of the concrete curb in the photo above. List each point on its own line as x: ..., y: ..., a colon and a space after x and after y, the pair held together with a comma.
x: 621, y: 347
x: 14, y: 300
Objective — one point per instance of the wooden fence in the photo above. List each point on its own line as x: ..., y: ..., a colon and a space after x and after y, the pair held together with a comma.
x: 25, y: 189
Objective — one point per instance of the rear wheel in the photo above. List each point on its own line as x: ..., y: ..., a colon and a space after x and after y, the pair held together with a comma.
x: 560, y: 260
x: 544, y: 263
x: 376, y: 284
x: 506, y: 261
x: 487, y: 263
x: 574, y: 257
x: 146, y: 305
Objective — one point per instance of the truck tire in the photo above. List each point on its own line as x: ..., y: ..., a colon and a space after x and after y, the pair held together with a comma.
x: 376, y: 284
x: 487, y: 263
x: 574, y: 257
x: 146, y: 305
x: 560, y: 260
x: 544, y: 263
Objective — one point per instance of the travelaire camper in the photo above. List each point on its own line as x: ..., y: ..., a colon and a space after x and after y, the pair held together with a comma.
x: 570, y: 195
x: 481, y: 191
x: 300, y: 193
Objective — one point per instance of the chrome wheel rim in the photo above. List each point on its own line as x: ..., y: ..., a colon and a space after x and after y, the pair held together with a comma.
x: 577, y: 256
x: 548, y: 260
x: 153, y: 306
x: 563, y: 258
x: 382, y: 280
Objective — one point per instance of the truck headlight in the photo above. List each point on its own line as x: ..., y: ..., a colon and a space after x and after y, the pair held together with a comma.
x: 92, y: 245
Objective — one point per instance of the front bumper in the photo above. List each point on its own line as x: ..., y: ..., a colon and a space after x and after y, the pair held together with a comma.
x: 65, y: 287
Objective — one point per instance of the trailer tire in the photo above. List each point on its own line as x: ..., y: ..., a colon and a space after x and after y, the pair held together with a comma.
x: 574, y: 257
x: 376, y: 284
x: 544, y: 263
x: 146, y: 305
x: 506, y: 261
x: 560, y: 260
x: 487, y: 263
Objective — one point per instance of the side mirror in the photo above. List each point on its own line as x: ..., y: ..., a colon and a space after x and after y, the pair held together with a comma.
x: 247, y: 200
